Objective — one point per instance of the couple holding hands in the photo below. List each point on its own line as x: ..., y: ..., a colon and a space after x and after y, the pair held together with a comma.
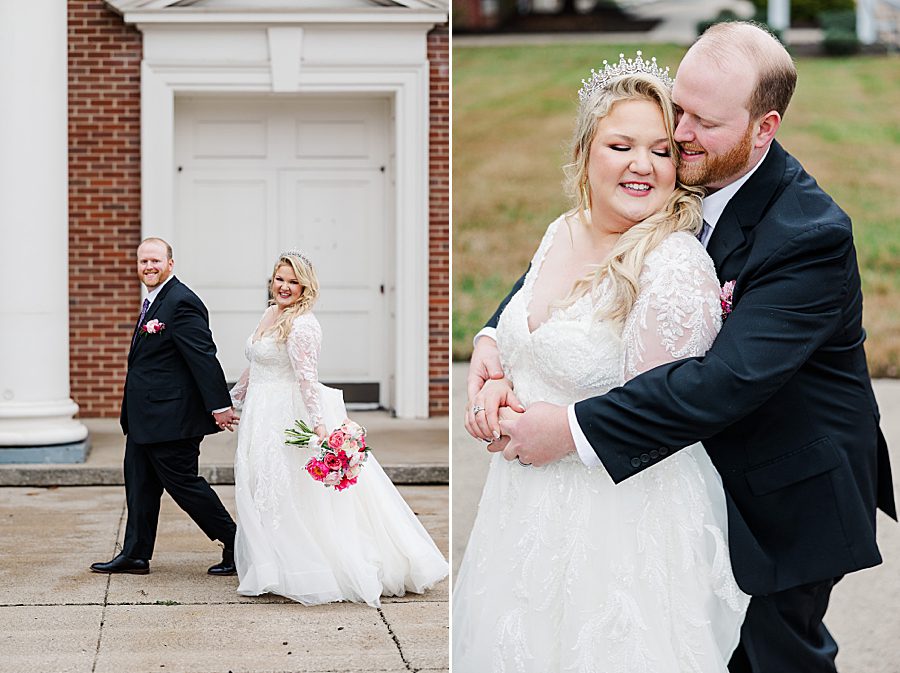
x: 293, y: 537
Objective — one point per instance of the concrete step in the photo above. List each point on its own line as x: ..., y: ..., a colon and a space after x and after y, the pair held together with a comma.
x: 411, y: 452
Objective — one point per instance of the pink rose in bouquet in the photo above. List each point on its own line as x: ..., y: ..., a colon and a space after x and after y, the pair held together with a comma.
x: 317, y: 469
x: 341, y: 455
x: 332, y: 462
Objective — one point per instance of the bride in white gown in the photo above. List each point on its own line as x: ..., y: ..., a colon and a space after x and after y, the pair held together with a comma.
x: 565, y: 570
x: 295, y: 537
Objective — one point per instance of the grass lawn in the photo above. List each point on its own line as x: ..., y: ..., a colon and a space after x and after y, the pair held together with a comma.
x: 513, y: 112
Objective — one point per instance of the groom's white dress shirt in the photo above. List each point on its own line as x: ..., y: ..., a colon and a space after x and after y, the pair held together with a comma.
x: 151, y: 296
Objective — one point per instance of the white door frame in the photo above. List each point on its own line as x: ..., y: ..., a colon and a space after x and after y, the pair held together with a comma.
x: 165, y: 72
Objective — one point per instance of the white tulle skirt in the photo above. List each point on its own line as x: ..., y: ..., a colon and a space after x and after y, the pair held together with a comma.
x: 566, y: 571
x: 301, y: 540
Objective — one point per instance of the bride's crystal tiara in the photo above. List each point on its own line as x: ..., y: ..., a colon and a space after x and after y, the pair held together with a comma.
x: 600, y: 80
x: 297, y: 254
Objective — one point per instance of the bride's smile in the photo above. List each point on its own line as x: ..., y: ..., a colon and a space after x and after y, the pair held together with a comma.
x: 631, y: 172
x: 286, y: 287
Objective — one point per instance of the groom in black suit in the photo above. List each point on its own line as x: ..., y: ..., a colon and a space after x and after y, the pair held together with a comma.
x: 175, y: 393
x: 782, y: 402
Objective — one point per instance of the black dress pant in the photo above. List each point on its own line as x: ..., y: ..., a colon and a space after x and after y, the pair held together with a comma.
x: 784, y: 633
x: 170, y: 466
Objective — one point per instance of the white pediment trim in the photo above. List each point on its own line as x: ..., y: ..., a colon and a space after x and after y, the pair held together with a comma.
x: 361, y: 11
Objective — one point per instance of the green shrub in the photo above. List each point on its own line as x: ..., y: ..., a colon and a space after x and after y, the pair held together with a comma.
x: 838, y: 19
x: 839, y: 42
x: 724, y: 15
x: 807, y: 11
x: 728, y: 15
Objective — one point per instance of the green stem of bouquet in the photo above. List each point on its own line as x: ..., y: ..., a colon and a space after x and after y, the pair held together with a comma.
x: 299, y: 437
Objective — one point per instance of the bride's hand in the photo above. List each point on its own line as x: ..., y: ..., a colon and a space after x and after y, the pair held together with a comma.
x: 321, y: 434
x: 481, y: 413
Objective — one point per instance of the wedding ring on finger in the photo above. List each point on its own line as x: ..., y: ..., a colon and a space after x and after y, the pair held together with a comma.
x: 476, y: 409
x: 521, y: 463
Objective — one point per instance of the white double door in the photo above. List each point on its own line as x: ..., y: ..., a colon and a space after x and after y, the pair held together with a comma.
x: 258, y: 175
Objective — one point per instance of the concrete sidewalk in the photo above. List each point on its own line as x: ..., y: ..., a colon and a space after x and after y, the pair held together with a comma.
x: 863, y: 616
x: 411, y: 452
x: 56, y: 616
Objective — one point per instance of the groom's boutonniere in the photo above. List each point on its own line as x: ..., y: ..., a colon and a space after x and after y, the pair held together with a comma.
x: 153, y: 327
x: 725, y: 298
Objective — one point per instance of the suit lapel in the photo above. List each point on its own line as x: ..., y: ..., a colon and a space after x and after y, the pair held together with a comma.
x: 151, y: 312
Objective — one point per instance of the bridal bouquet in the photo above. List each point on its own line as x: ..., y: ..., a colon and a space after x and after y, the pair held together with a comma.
x: 341, y: 457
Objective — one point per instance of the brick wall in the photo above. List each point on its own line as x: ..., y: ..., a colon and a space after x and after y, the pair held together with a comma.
x: 104, y: 207
x: 104, y: 202
x: 439, y: 218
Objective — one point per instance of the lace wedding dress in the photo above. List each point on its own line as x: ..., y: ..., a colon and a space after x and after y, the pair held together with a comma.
x: 296, y: 537
x: 567, y: 571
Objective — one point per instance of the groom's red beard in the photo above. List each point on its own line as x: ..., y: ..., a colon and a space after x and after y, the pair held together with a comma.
x: 718, y: 168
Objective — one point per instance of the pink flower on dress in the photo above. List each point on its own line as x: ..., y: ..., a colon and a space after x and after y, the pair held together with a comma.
x: 726, y: 298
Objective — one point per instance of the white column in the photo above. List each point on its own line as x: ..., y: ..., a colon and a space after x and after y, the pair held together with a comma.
x: 779, y: 14
x: 35, y: 407
x: 865, y: 21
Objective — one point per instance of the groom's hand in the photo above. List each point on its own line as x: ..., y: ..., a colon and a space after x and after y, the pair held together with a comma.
x: 539, y: 436
x: 226, y: 419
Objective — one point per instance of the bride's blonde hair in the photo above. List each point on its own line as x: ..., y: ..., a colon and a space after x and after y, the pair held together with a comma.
x: 681, y: 212
x: 309, y: 291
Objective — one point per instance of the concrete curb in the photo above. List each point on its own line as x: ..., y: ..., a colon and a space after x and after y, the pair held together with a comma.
x: 408, y: 474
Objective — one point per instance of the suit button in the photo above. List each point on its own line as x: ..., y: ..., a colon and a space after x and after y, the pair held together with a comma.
x: 654, y: 454
x: 645, y: 457
x: 635, y: 462
x: 663, y: 451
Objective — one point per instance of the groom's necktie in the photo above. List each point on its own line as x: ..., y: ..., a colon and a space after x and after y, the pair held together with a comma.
x: 137, y: 329
x: 703, y: 236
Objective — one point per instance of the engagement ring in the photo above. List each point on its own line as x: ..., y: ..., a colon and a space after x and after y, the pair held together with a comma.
x: 476, y: 409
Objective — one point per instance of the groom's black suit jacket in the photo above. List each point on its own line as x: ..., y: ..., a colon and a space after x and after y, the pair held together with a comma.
x: 782, y: 401
x: 174, y: 380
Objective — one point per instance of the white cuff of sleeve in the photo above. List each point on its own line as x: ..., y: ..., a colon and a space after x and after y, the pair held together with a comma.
x: 582, y: 445
x: 486, y: 331
x: 219, y: 411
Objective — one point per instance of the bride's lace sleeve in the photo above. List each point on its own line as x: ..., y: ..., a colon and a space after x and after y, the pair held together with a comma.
x: 239, y: 390
x: 303, y: 346
x: 677, y: 313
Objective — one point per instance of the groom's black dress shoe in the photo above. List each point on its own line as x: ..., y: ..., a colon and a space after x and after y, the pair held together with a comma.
x: 226, y: 567
x: 123, y: 564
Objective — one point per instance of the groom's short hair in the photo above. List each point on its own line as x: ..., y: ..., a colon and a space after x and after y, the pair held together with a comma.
x: 154, y: 239
x: 763, y: 53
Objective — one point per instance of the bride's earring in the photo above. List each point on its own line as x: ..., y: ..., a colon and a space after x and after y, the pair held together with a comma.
x: 586, y: 195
